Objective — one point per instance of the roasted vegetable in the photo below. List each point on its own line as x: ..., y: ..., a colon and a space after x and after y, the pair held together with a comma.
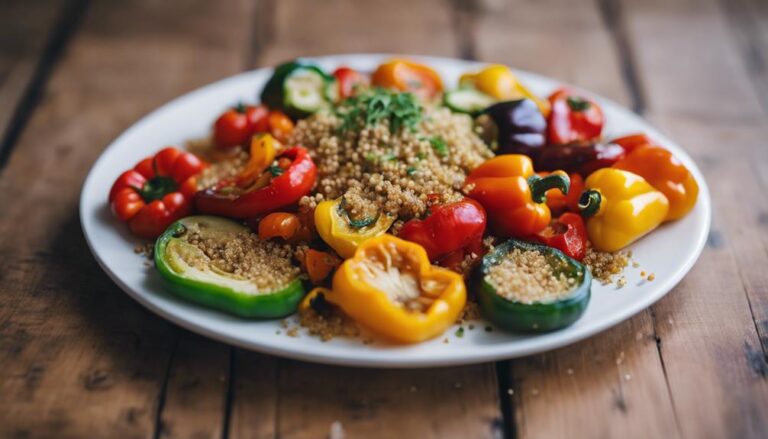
x: 665, y: 173
x: 299, y: 88
x: 580, y: 158
x: 519, y: 127
x: 236, y: 125
x: 573, y: 119
x: 533, y: 316
x: 156, y: 192
x: 448, y: 228
x: 498, y: 82
x: 620, y: 208
x: 349, y: 81
x: 190, y: 273
x: 284, y: 186
x: 405, y: 75
x: 390, y: 288
x: 345, y: 234
x: 467, y: 100
x: 512, y: 195
x: 567, y: 234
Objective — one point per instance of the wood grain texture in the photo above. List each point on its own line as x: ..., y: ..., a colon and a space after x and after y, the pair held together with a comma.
x: 619, y: 373
x: 26, y: 28
x: 78, y: 358
x: 709, y: 341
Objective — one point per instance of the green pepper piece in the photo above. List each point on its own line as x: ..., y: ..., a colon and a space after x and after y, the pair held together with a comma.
x: 212, y: 287
x: 299, y: 89
x: 534, y: 317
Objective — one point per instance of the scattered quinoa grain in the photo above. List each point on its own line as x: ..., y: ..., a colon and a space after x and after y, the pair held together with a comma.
x: 651, y: 277
x: 527, y: 277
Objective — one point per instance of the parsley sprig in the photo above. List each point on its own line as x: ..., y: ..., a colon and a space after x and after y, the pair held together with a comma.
x: 402, y: 110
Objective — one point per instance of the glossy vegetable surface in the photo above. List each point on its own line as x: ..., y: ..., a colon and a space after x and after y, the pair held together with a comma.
x: 573, y: 118
x: 566, y: 233
x: 405, y: 75
x: 344, y: 234
x: 620, y: 208
x: 215, y: 288
x: 516, y: 316
x: 520, y: 127
x: 512, y: 195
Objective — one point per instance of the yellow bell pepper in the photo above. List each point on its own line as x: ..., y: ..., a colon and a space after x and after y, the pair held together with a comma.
x: 342, y: 234
x: 499, y: 82
x: 263, y: 151
x: 390, y: 288
x: 620, y: 208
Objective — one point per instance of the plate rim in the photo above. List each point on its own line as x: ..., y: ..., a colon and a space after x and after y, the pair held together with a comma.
x: 366, y: 360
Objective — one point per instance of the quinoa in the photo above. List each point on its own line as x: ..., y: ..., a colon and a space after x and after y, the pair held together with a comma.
x: 267, y: 264
x: 527, y: 277
x: 605, y: 266
x: 394, y: 173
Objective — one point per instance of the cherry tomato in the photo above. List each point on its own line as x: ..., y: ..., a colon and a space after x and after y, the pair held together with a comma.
x: 238, y: 124
x: 573, y: 118
x: 349, y: 80
x: 280, y: 125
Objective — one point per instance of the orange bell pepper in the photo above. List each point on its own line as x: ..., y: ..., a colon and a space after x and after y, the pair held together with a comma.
x: 512, y: 195
x: 666, y: 174
x: 405, y: 75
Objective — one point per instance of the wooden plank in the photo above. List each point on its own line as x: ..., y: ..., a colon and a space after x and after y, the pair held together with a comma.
x: 617, y: 374
x: 25, y: 30
x: 255, y: 395
x: 318, y: 401
x: 709, y: 341
x: 78, y: 358
x: 425, y: 403
x: 347, y: 26
x: 196, y: 390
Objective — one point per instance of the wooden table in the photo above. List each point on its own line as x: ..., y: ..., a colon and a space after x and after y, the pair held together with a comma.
x: 79, y: 358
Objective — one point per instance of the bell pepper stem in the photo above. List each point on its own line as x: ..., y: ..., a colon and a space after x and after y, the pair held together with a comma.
x: 589, y: 202
x: 539, y: 186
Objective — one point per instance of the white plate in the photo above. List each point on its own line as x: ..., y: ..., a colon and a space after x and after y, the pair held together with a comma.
x: 668, y: 252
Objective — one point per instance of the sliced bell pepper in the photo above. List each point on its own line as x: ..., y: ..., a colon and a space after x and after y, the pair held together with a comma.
x: 512, y: 195
x: 499, y: 82
x: 390, y: 288
x: 659, y: 167
x: 573, y: 119
x: 285, y: 187
x: 344, y: 234
x: 319, y: 264
x: 620, y: 207
x: 448, y: 228
x: 519, y: 316
x: 405, y: 75
x: 156, y: 192
x: 567, y: 234
x: 632, y: 141
x: 178, y: 262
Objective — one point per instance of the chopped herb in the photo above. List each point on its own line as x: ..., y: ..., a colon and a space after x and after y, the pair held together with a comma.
x: 488, y: 329
x: 276, y: 171
x: 421, y: 156
x: 388, y: 157
x: 439, y: 145
x: 460, y: 332
x: 411, y: 170
x: 402, y: 110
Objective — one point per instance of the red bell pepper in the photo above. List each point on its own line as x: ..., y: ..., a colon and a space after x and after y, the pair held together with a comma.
x: 448, y: 228
x: 573, y: 119
x: 559, y: 202
x: 156, y: 192
x: 567, y: 234
x: 286, y: 186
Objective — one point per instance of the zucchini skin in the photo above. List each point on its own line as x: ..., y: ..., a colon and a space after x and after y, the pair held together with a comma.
x: 276, y: 304
x: 536, y: 317
x: 273, y: 93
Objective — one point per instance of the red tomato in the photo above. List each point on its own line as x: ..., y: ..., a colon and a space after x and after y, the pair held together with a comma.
x: 348, y: 79
x: 573, y: 119
x: 238, y: 124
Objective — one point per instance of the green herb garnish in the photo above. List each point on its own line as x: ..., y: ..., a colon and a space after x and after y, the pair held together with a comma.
x: 402, y: 110
x: 460, y: 332
x: 439, y: 145
x: 411, y: 170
